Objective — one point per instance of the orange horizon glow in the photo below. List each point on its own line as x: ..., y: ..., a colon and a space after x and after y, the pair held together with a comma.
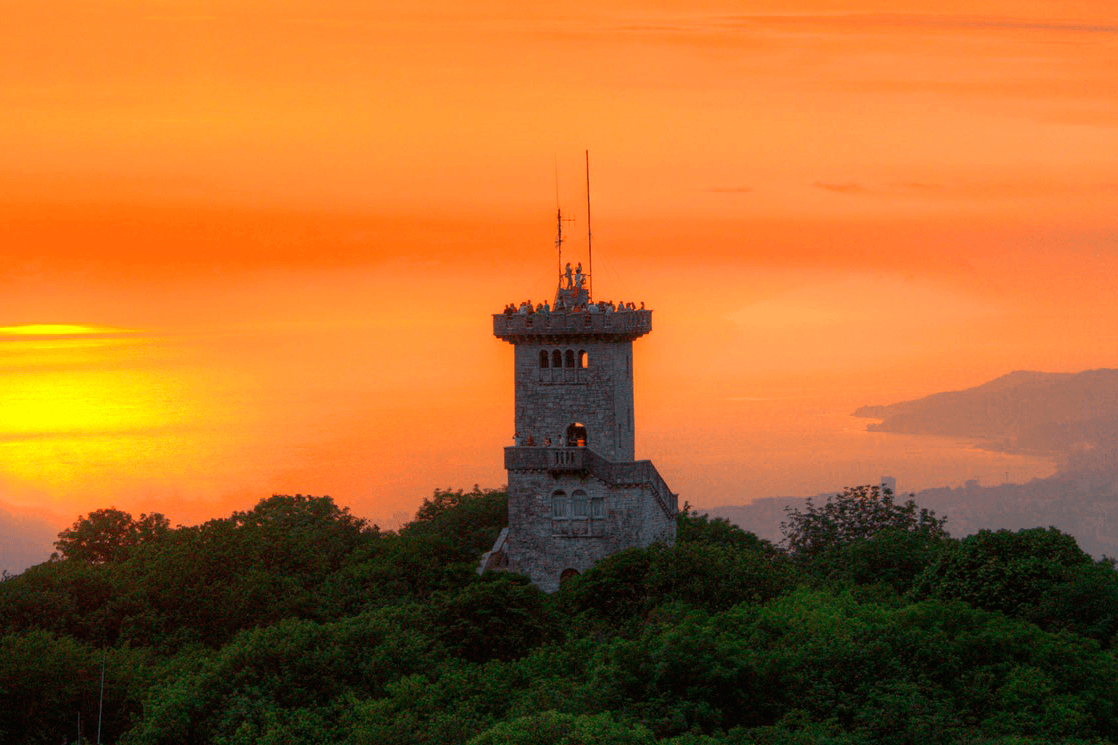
x: 253, y: 247
x: 58, y: 329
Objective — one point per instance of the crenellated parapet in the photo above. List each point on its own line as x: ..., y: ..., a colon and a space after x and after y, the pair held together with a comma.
x: 533, y: 328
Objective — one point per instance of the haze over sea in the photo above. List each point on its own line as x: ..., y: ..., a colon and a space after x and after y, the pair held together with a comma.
x: 747, y: 448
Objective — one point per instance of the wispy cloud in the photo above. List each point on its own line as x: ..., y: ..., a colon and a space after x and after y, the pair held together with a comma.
x: 30, y: 331
x: 963, y: 190
x: 980, y: 22
x: 845, y: 187
x: 706, y: 24
x: 182, y: 19
x: 84, y: 434
x: 43, y: 348
x: 729, y: 189
x: 914, y: 186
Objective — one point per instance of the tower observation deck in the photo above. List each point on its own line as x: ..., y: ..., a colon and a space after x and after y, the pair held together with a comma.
x: 620, y: 325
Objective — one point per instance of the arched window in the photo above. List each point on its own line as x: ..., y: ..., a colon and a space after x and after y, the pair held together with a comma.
x: 582, y: 362
x: 579, y: 507
x: 556, y: 358
x: 543, y: 358
x: 570, y: 358
x: 576, y: 435
x: 558, y: 504
x: 597, y: 507
x: 567, y: 574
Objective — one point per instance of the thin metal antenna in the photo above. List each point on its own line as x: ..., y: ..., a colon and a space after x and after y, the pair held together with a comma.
x: 559, y: 240
x: 558, y: 223
x: 589, y: 245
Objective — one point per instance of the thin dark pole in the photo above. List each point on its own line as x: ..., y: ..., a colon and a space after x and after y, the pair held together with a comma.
x: 559, y: 222
x: 101, y: 699
x: 589, y: 244
x: 559, y: 240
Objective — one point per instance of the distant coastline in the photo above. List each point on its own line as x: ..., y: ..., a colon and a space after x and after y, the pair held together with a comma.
x: 1070, y: 418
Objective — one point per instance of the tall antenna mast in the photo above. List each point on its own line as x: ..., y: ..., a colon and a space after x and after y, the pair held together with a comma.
x: 589, y: 245
x: 559, y: 239
x: 558, y: 223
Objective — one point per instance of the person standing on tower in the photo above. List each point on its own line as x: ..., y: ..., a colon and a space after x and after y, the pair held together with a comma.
x: 567, y: 274
x: 578, y: 276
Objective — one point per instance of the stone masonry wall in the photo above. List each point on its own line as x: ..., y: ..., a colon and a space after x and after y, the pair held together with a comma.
x: 543, y: 546
x: 599, y: 396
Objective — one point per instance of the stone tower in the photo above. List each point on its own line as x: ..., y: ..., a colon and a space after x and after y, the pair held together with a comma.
x: 576, y: 494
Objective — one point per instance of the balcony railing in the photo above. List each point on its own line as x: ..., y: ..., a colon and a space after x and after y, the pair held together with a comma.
x: 545, y: 459
x: 567, y: 460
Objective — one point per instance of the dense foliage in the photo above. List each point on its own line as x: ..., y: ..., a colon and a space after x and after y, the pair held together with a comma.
x: 296, y: 622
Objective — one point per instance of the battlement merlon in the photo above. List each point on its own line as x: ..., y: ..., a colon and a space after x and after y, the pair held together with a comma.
x: 621, y: 325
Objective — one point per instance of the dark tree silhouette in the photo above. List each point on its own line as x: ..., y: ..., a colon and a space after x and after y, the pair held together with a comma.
x: 108, y: 534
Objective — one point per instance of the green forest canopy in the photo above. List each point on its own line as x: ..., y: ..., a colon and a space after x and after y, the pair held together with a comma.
x: 296, y: 622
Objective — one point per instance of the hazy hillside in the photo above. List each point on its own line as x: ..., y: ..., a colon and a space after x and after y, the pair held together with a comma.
x: 1023, y: 411
x: 1073, y: 416
x: 1082, y: 504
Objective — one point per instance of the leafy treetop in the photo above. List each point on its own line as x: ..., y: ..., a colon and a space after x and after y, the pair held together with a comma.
x: 858, y: 513
x: 108, y: 534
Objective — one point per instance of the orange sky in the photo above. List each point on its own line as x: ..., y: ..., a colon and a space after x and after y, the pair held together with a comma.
x: 287, y: 223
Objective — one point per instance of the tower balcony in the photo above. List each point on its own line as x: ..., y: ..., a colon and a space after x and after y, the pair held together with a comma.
x: 556, y: 460
x: 620, y: 325
x: 585, y: 460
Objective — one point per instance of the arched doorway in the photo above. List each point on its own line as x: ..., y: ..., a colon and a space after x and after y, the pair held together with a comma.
x: 567, y: 574
x: 576, y: 435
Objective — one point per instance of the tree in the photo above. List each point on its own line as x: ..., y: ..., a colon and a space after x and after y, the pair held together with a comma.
x: 859, y: 513
x: 890, y: 557
x: 497, y: 616
x: 692, y: 527
x: 705, y: 574
x: 298, y: 535
x: 47, y: 680
x: 553, y: 728
x: 254, y: 568
x: 470, y: 519
x: 1039, y: 575
x: 440, y: 549
x: 108, y: 535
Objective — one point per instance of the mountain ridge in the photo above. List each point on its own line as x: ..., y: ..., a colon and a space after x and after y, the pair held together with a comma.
x: 1022, y: 411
